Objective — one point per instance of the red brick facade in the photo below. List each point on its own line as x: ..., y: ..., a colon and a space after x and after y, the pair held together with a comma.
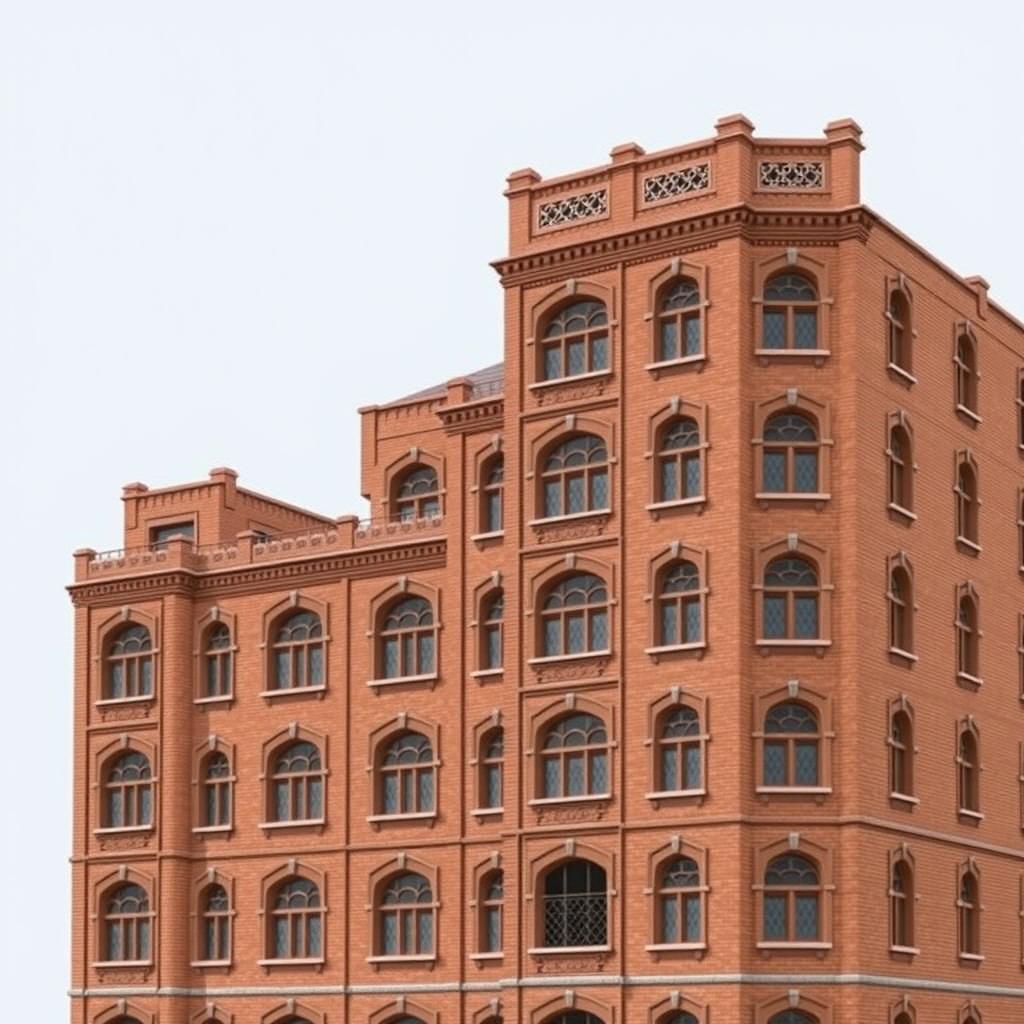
x: 718, y: 717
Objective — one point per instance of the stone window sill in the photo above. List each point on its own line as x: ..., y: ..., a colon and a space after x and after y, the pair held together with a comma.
x: 795, y: 946
x: 489, y: 535
x: 793, y: 353
x: 555, y: 801
x: 664, y: 506
x: 904, y: 798
x: 299, y: 823
x: 899, y: 510
x: 108, y: 964
x: 798, y: 790
x: 417, y: 816
x: 487, y: 812
x: 500, y: 955
x: 968, y: 414
x: 569, y: 517
x: 210, y: 963
x: 966, y: 677
x: 972, y: 958
x: 292, y: 691
x: 553, y: 659
x: 971, y: 816
x: 793, y: 496
x: 904, y: 950
x: 429, y: 677
x: 783, y: 642
x: 898, y: 652
x: 668, y: 364
x: 419, y: 958
x: 213, y: 829
x: 904, y: 375
x: 973, y: 547
x: 485, y: 673
x: 672, y: 794
x: 540, y: 385
x: 698, y: 645
x: 122, y: 830
x: 298, y: 962
x: 225, y: 698
x: 671, y: 947
x: 562, y: 950
x: 114, y: 702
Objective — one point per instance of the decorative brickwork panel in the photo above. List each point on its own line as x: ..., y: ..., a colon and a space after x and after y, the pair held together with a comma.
x: 581, y: 206
x: 786, y: 175
x: 679, y: 182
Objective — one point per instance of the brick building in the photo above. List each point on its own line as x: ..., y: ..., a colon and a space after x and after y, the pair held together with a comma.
x: 677, y: 677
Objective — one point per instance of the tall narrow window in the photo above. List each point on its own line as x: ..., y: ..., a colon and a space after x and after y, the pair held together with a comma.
x: 296, y: 921
x: 216, y: 790
x: 968, y: 787
x: 417, y: 495
x: 492, y: 906
x: 574, y: 477
x: 901, y: 754
x: 789, y: 456
x: 681, y: 754
x: 967, y: 638
x: 575, y: 341
x: 679, y: 320
x: 679, y: 604
x: 574, y: 617
x: 901, y: 905
x: 407, y: 775
x: 901, y: 335
x: 1020, y: 529
x: 575, y: 905
x: 218, y: 662
x: 901, y: 469
x: 792, y: 896
x: 965, y: 366
x: 966, y: 502
x: 127, y: 922
x: 790, y: 313
x: 298, y: 784
x: 130, y: 664
x: 680, y: 898
x: 679, y: 460
x: 129, y: 792
x: 901, y: 610
x: 216, y: 929
x: 969, y: 915
x: 1020, y: 408
x: 492, y: 769
x: 299, y: 652
x: 791, y: 593
x: 407, y: 639
x: 574, y: 758
x: 492, y: 647
x: 792, y: 737
x: 492, y: 496
x: 407, y: 917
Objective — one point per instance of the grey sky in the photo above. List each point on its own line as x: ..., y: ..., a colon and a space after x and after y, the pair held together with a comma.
x: 226, y: 224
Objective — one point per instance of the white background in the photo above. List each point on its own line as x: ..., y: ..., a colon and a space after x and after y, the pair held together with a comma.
x: 226, y: 224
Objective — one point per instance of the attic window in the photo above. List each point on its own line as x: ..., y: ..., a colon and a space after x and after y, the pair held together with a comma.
x: 160, y: 535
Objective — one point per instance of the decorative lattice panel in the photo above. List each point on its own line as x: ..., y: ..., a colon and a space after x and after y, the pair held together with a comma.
x: 581, y: 206
x: 675, y: 183
x: 786, y: 174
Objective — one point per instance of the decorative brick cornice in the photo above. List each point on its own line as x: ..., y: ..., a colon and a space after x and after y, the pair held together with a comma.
x: 473, y: 416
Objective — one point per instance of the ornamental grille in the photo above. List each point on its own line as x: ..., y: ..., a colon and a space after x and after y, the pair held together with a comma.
x: 784, y: 174
x: 677, y: 183
x: 572, y: 208
x: 572, y: 920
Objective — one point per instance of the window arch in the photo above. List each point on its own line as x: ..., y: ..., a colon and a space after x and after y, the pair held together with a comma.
x: 492, y: 769
x: 680, y: 602
x: 127, y: 924
x: 492, y: 635
x: 492, y: 494
x: 967, y: 503
x: 901, y: 750
x: 128, y: 788
x: 574, y: 477
x: 574, y: 758
x: 791, y: 900
x: 789, y: 315
x: 968, y: 776
x: 215, y: 927
x: 218, y: 662
x: 968, y: 635
x: 416, y: 494
x: 901, y: 330
x: 680, y: 744
x: 297, y: 784
x: 407, y: 639
x: 900, y: 454
x: 680, y: 903
x: 406, y: 910
x: 791, y: 599
x: 790, y: 462
x: 574, y: 616
x: 791, y: 747
x: 575, y: 905
x: 296, y: 920
x: 298, y: 652
x: 901, y: 902
x: 129, y: 664
x: 491, y: 912
x: 574, y: 340
x: 901, y: 606
x: 406, y: 770
x: 680, y: 475
x: 216, y: 782
x: 679, y: 320
x: 965, y: 368
x: 969, y: 912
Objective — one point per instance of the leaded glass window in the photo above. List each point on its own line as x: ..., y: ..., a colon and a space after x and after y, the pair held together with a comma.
x: 792, y: 892
x: 492, y: 767
x: 574, y: 617
x: 900, y: 469
x: 575, y: 341
x: 967, y: 637
x: 574, y: 478
x: 130, y: 664
x: 216, y: 790
x: 680, y: 750
x: 492, y: 646
x: 407, y: 775
x: 790, y: 313
x: 129, y: 792
x: 901, y: 608
x: 901, y: 898
x: 407, y: 917
x: 900, y: 332
x: 967, y: 772
x: 680, y: 456
x: 966, y: 366
x: 492, y: 495
x: 218, y: 662
x: 790, y: 455
x: 216, y: 924
x: 680, y: 899
x: 901, y: 746
x: 492, y: 904
x: 298, y: 652
x: 680, y: 605
x: 417, y: 495
x: 407, y: 639
x: 791, y: 594
x: 793, y: 1017
x: 127, y: 924
x: 574, y: 758
x: 298, y: 784
x: 297, y: 921
x: 575, y: 905
x: 966, y: 503
x: 969, y: 909
x: 679, y: 320
x: 791, y: 746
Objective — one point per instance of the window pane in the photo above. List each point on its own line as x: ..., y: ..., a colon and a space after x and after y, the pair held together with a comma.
x: 692, y: 622
x: 692, y: 766
x: 316, y: 666
x: 806, y: 764
x: 494, y: 658
x: 552, y: 498
x: 774, y: 329
x: 426, y: 922
x: 669, y: 340
x: 576, y: 635
x: 280, y: 937
x: 426, y: 786
x: 210, y: 950
x: 390, y: 658
x: 599, y: 490
x: 576, y: 777
x: 408, y: 933
x: 805, y: 327
x: 552, y: 637
x: 115, y: 809
x: 669, y: 480
x: 426, y: 653
x: 281, y: 801
x: 575, y: 358
x: 408, y: 649
x: 114, y: 949
x: 389, y: 933
x: 552, y: 363
x: 599, y: 353
x: 774, y: 917
x: 145, y: 805
x: 669, y: 776
x: 212, y: 679
x: 598, y: 632
x: 774, y: 764
x: 146, y: 686
x: 669, y: 919
x: 693, y: 336
x: 492, y: 929
x: 693, y: 488
x: 283, y: 673
x: 774, y: 474
x: 493, y: 786
x: 805, y: 470
x: 806, y: 916
x: 211, y: 806
x: 117, y: 679
x: 669, y: 624
x: 143, y: 950
x: 390, y: 794
x: 577, y: 495
x: 774, y: 615
x: 313, y: 948
x: 316, y: 808
x: 552, y: 777
x: 806, y: 613
x: 693, y: 919
x: 493, y: 511
x: 599, y: 774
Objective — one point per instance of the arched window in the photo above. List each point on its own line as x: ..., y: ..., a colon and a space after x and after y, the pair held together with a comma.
x: 492, y: 904
x: 792, y: 896
x: 407, y: 910
x: 792, y: 737
x: 789, y: 455
x: 130, y: 664
x: 680, y: 899
x: 965, y: 364
x: 969, y: 916
x: 793, y: 1017
x: 574, y: 477
x: 679, y: 320
x: 216, y: 803
x: 791, y: 594
x: 492, y: 494
x: 492, y: 768
x: 901, y: 468
x: 127, y: 925
x: 683, y: 1017
x: 967, y: 637
x: 680, y: 458
x: 901, y: 905
x: 681, y: 747
x: 575, y: 341
x: 966, y: 491
x: 407, y: 775
x: 299, y: 652
x: 417, y: 495
x: 901, y: 610
x: 574, y: 1017
x: 901, y: 753
x: 297, y: 784
x: 968, y: 789
x: 492, y: 648
x: 680, y: 601
x: 574, y: 758
x: 575, y: 905
x: 901, y: 334
x: 903, y: 1018
x: 407, y: 639
x: 574, y: 617
x: 218, y: 662
x: 296, y: 921
x: 1020, y: 408
x: 790, y: 313
x: 216, y: 926
x: 129, y: 791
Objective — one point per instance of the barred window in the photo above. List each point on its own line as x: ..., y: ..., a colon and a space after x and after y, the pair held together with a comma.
x: 967, y: 637
x: 574, y: 758
x: 492, y: 768
x: 966, y: 491
x: 679, y: 320
x: 492, y: 905
x: 492, y: 653
x: 296, y: 921
x: 680, y: 458
x: 216, y: 924
x: 407, y: 911
x: 407, y: 639
x: 901, y: 754
x: 901, y: 467
x: 575, y: 341
x: 789, y: 455
x: 680, y: 747
x: 680, y: 902
x: 680, y: 603
x: 297, y: 784
x: 298, y: 652
x: 968, y: 768
x: 791, y: 596
x: 574, y: 478
x: 901, y: 905
x: 574, y: 617
x: 218, y: 662
x: 790, y: 313
x: 129, y: 792
x: 901, y: 610
x: 216, y: 806
x: 407, y: 775
x: 969, y: 916
x: 792, y: 894
x: 130, y: 664
x: 127, y: 924
x: 901, y: 335
x: 793, y: 1017
x: 417, y: 495
x: 965, y: 365
x: 791, y: 746
x: 492, y: 495
x: 575, y: 905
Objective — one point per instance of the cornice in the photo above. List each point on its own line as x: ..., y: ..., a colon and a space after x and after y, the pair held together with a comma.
x: 472, y: 416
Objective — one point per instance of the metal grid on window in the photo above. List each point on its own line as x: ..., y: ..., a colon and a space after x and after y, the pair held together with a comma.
x: 576, y: 905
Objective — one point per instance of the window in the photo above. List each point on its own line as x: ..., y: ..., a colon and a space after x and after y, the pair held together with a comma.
x: 793, y: 1017
x: 297, y: 784
x: 130, y: 664
x: 575, y: 1017
x: 407, y: 639
x: 790, y: 313
x: 492, y: 768
x: 969, y: 914
x: 792, y: 738
x: 901, y: 905
x: 575, y: 905
x: 901, y: 333
x: 684, y: 1017
x: 789, y: 456
x: 492, y: 903
x: 492, y: 495
x: 218, y: 662
x: 492, y: 655
x: 679, y: 320
x: 791, y: 592
x: 407, y: 775
x: 216, y: 801
x: 160, y: 535
x: 574, y: 758
x: 407, y: 910
x: 574, y: 617
x: 968, y: 788
x: 680, y: 911
x: 792, y: 893
x: 901, y: 753
x: 299, y: 652
x: 296, y: 921
x: 680, y: 744
x: 216, y: 925
x: 967, y: 637
x: 680, y: 605
x: 901, y: 609
x: 680, y: 458
x: 127, y: 924
x: 966, y: 491
x: 1020, y: 529
x: 575, y: 341
x: 965, y: 368
x: 1020, y: 408
x: 901, y: 468
x: 417, y: 495
x: 574, y: 478
x: 129, y: 792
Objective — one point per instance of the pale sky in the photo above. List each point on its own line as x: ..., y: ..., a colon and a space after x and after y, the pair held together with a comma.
x: 226, y: 224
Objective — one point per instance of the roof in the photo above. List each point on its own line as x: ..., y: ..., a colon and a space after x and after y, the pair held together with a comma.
x: 488, y: 381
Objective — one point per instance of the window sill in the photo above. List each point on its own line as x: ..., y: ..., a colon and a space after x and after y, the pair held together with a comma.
x: 798, y: 790
x: 211, y: 829
x: 793, y: 353
x: 299, y: 823
x: 226, y: 698
x: 904, y: 375
x: 783, y: 642
x: 700, y: 645
x: 666, y: 506
x: 971, y: 958
x: 569, y: 517
x: 668, y: 364
x: 969, y: 414
x: 298, y: 962
x: 107, y: 964
x: 418, y: 958
x: 540, y: 385
x: 786, y: 946
x: 972, y: 546
x: 562, y: 950
x: 291, y: 691
x: 555, y: 801
x: 670, y: 794
x: 417, y: 816
x: 904, y: 950
x: 487, y: 956
x: 973, y: 816
x: 486, y: 673
x: 430, y: 677
x: 966, y: 677
x: 477, y: 538
x: 670, y: 947
x: 125, y: 830
x: 114, y: 702
x: 898, y: 652
x: 904, y: 798
x: 793, y: 496
x: 552, y: 659
x: 210, y: 963
x: 899, y: 510
x: 487, y: 812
